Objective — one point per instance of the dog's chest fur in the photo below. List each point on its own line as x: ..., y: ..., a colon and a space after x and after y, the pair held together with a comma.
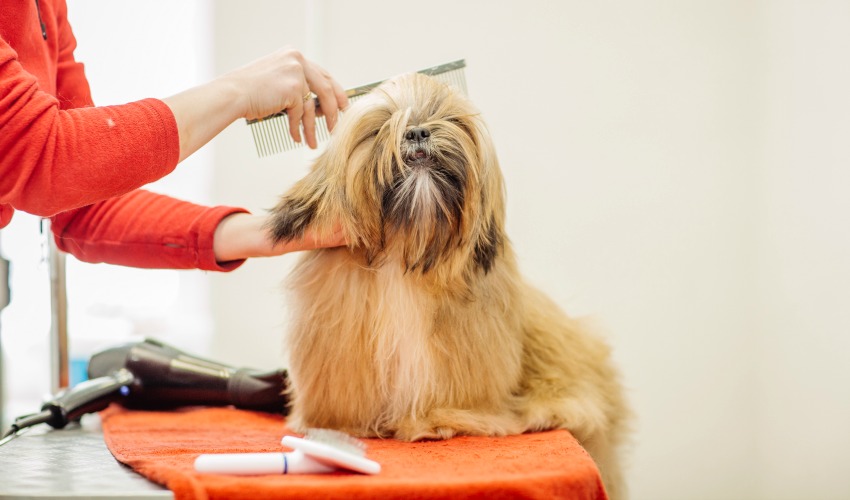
x: 379, y: 341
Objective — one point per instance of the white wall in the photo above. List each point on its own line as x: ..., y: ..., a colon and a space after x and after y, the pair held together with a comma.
x: 803, y: 299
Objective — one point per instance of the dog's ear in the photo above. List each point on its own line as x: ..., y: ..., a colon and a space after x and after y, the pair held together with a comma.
x: 488, y: 235
x: 329, y: 198
x: 294, y: 213
x: 487, y: 246
x: 312, y: 203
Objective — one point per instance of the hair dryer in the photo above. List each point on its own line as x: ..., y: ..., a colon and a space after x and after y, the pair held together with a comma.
x: 153, y: 375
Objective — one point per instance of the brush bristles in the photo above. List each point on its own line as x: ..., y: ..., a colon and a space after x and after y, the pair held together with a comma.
x: 271, y: 134
x: 337, y: 439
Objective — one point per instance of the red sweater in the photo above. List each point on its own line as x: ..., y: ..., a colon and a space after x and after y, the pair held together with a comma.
x: 62, y: 158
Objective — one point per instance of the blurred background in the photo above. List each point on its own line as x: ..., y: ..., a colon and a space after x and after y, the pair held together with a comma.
x: 678, y: 170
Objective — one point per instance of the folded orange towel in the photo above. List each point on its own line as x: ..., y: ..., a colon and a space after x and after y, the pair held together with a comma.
x: 162, y: 446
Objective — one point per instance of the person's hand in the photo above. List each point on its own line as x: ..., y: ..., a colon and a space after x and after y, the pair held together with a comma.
x: 286, y: 80
x: 241, y: 235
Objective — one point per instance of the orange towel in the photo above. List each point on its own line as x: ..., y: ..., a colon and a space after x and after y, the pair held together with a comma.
x: 162, y: 446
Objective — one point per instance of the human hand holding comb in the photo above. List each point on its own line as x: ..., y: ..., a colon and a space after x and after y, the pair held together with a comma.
x: 283, y: 80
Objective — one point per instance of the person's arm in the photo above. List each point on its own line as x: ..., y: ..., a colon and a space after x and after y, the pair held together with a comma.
x: 242, y: 235
x: 144, y: 229
x: 56, y: 159
x: 150, y: 230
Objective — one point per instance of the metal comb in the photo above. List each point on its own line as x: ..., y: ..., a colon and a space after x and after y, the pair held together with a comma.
x: 271, y: 134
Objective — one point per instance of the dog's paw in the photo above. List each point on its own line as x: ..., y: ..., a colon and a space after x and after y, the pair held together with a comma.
x: 445, y: 423
x: 422, y: 431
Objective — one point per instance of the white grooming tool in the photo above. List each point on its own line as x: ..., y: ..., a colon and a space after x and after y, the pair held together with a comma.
x: 318, y: 452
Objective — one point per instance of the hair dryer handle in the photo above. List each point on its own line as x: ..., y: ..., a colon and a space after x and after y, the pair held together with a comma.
x: 87, y: 397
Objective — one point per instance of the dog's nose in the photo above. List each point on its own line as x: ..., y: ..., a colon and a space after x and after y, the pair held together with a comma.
x: 418, y: 134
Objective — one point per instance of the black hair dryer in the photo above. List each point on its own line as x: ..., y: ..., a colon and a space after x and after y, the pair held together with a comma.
x: 166, y: 377
x: 153, y: 375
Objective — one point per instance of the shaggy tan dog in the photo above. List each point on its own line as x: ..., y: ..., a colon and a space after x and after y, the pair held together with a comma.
x: 423, y: 328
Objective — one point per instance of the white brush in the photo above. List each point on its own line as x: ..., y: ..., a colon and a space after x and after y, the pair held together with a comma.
x: 318, y: 452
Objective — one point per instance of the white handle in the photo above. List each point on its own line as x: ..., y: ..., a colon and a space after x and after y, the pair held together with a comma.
x: 241, y: 464
x: 257, y: 464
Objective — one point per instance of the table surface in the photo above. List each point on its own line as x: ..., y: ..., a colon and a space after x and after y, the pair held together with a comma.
x: 46, y: 463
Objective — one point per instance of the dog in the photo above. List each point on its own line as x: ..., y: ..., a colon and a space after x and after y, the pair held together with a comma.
x: 422, y: 327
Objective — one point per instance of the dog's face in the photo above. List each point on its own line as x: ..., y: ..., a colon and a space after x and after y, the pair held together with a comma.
x: 410, y: 172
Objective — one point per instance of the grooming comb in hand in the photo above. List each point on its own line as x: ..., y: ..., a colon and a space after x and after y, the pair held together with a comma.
x: 271, y: 134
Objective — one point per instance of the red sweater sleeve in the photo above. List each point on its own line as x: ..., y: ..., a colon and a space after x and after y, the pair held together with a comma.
x: 144, y: 229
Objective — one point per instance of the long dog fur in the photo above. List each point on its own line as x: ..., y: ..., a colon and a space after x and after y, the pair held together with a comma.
x: 422, y: 327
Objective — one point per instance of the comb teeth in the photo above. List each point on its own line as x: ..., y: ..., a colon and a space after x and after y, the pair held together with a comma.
x: 271, y: 134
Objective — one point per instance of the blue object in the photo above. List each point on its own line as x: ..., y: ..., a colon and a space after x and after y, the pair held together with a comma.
x: 78, y: 370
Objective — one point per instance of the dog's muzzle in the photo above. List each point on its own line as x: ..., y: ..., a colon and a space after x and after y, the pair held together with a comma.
x: 417, y: 145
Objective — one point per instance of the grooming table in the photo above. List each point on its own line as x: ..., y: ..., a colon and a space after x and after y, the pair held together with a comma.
x: 44, y: 463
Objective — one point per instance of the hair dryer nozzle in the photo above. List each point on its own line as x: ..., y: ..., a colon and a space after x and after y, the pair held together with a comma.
x: 166, y: 377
